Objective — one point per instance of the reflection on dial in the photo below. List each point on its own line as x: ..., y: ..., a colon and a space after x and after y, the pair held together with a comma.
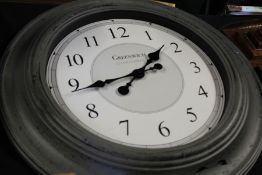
x: 171, y: 106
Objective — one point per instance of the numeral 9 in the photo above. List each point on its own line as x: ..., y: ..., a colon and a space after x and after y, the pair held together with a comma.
x: 74, y: 83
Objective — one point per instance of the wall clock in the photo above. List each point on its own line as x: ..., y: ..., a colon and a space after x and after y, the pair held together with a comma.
x: 129, y: 87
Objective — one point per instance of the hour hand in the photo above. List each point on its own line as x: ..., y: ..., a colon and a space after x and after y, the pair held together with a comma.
x: 154, y: 56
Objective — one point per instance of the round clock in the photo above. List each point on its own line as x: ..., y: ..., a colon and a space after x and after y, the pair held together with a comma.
x: 112, y: 86
x: 93, y: 73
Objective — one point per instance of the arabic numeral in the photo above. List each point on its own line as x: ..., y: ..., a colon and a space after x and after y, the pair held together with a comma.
x: 202, y: 91
x: 74, y: 83
x: 149, y: 37
x: 88, y: 43
x: 77, y: 59
x: 122, y: 32
x: 92, y: 113
x: 189, y: 112
x: 177, y: 50
x: 163, y: 130
x: 127, y: 126
x: 197, y: 69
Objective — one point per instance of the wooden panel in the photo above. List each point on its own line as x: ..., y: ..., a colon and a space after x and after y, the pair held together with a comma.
x: 248, y: 37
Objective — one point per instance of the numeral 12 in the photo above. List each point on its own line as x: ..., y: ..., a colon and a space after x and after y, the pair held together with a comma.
x: 123, y: 34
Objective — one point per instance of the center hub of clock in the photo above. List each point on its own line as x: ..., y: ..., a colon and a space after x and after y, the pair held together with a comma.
x: 155, y: 91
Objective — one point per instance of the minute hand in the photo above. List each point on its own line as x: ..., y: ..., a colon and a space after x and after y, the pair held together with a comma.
x: 100, y: 83
x: 138, y: 73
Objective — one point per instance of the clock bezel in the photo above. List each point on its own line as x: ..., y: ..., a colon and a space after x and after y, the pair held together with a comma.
x: 197, y: 37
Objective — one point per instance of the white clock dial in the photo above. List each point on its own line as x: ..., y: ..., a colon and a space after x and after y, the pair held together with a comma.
x: 175, y: 103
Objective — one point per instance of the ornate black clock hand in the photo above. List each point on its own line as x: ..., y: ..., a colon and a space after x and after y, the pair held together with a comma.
x: 99, y: 83
x: 154, y: 56
x: 124, y: 90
